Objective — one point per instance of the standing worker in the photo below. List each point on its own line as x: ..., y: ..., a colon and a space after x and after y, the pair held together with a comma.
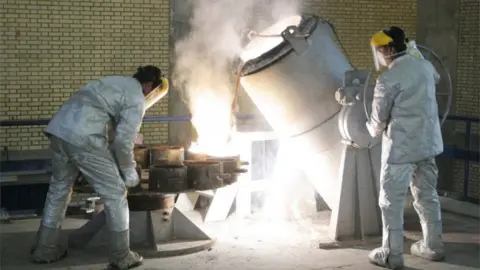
x: 80, y: 139
x: 405, y: 113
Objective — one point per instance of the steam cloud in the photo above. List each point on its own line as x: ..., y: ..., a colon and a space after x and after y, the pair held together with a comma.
x: 205, y: 65
x: 204, y: 59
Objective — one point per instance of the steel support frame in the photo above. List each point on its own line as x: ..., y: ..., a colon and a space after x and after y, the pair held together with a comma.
x: 238, y: 193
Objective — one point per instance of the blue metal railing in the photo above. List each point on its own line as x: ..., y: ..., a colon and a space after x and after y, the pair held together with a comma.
x: 467, y: 154
x: 146, y: 119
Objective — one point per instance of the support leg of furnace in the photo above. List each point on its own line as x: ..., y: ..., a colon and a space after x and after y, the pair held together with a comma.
x: 221, y: 202
x: 187, y: 201
x: 356, y: 218
x: 225, y: 197
x: 153, y: 234
x: 243, y: 198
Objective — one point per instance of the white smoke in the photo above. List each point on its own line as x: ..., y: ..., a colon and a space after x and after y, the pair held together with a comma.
x: 204, y: 58
x: 204, y: 73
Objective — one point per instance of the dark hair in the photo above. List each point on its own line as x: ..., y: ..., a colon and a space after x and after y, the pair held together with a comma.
x: 147, y: 74
x: 398, y: 36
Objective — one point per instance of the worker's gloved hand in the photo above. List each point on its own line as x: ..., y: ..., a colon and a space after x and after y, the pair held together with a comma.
x: 374, y: 133
x: 130, y: 177
x: 137, y: 188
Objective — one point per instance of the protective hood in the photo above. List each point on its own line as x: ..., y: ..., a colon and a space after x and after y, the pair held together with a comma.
x: 381, y: 39
x: 156, y: 94
x: 413, y: 50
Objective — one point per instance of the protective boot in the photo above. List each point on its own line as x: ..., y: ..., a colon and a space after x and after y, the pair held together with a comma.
x: 46, y: 248
x: 80, y: 238
x: 121, y: 257
x: 390, y: 255
x: 431, y: 246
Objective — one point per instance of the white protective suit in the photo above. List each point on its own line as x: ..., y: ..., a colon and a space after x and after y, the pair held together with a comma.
x: 405, y: 111
x: 79, y: 135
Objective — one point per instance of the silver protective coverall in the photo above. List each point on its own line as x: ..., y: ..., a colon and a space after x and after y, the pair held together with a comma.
x: 405, y: 113
x: 79, y: 134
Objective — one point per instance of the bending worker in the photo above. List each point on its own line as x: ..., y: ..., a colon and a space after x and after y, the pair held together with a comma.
x: 404, y: 112
x: 79, y: 140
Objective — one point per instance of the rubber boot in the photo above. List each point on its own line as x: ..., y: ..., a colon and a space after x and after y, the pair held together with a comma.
x: 431, y: 247
x: 121, y: 257
x: 390, y: 255
x: 46, y: 248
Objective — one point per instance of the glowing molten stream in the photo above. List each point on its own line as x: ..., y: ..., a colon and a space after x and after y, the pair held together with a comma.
x: 211, y: 117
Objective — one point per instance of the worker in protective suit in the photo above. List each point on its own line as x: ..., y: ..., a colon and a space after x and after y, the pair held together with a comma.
x: 404, y: 112
x: 79, y: 139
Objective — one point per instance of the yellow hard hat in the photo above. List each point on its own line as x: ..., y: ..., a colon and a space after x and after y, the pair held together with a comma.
x: 380, y: 39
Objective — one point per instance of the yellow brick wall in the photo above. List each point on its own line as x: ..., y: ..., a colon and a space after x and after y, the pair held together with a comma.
x: 48, y: 49
x: 468, y: 82
x: 51, y: 48
x: 468, y: 85
x: 357, y: 20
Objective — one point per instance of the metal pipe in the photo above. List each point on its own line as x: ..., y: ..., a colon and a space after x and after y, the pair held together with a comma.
x: 468, y: 130
x: 473, y: 119
x: 5, y: 149
x: 150, y: 119
x: 146, y: 119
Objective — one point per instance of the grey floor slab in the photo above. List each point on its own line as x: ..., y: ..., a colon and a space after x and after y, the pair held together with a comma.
x: 257, y: 244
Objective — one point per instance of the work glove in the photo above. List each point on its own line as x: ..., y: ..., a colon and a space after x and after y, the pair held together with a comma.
x: 130, y: 177
x: 137, y: 188
x: 373, y: 133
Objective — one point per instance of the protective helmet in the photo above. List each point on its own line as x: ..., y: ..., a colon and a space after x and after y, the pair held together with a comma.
x: 393, y: 37
x: 156, y: 94
x: 152, y: 74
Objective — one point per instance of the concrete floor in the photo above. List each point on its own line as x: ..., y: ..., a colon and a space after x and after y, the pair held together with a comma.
x: 253, y: 244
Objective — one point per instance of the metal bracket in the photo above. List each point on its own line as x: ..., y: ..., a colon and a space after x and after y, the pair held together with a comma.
x: 345, y: 96
x: 350, y: 143
x: 355, y: 77
x: 89, y: 206
x: 299, y: 43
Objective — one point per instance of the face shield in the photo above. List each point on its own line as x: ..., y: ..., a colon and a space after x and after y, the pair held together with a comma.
x: 156, y: 94
x: 379, y: 39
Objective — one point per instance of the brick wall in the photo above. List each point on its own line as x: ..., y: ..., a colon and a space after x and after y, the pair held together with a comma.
x: 51, y: 48
x: 357, y: 20
x: 48, y: 49
x: 468, y: 87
